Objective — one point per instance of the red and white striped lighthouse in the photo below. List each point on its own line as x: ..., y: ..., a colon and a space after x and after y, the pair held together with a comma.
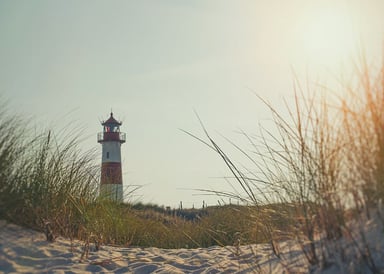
x: 111, y: 183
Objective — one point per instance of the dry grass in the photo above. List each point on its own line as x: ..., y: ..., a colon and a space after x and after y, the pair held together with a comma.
x: 324, y: 161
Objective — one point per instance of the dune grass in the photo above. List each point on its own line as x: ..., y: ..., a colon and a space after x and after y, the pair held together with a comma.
x: 324, y: 161
x: 44, y: 183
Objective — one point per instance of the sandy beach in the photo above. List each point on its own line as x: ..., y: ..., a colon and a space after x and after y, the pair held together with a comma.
x: 26, y: 251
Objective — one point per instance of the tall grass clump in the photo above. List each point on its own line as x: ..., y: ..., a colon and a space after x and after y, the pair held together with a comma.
x: 323, y: 163
x: 44, y: 182
x: 298, y: 169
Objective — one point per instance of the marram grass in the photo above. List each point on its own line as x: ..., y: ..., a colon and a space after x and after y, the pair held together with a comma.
x: 323, y: 163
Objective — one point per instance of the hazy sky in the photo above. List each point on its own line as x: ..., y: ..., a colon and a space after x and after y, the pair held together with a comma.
x: 155, y: 62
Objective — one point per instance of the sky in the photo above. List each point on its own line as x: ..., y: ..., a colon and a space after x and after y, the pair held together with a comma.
x: 156, y: 64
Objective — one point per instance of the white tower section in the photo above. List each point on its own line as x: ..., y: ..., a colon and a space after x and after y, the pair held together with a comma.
x: 111, y: 183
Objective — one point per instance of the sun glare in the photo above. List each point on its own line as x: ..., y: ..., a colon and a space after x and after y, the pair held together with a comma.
x: 328, y: 36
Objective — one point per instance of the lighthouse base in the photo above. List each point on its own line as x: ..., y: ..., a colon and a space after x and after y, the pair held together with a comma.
x: 112, y: 191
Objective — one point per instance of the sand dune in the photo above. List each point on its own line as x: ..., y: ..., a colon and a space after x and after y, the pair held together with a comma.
x: 26, y: 251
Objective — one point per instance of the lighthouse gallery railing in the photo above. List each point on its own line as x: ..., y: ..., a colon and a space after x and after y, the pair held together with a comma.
x: 111, y: 136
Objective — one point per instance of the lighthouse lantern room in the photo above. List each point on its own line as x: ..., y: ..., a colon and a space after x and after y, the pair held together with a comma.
x: 111, y: 182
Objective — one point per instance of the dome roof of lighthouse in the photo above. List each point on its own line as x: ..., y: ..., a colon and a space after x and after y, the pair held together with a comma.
x: 111, y: 121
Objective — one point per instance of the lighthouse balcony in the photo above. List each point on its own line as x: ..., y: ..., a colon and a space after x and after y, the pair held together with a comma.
x: 111, y: 136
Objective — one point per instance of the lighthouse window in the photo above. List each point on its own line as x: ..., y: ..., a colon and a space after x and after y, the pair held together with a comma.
x: 107, y: 154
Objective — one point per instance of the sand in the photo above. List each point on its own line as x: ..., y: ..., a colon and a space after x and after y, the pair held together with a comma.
x: 26, y: 251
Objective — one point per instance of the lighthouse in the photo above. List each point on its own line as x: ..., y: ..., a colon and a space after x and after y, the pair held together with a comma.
x: 111, y: 182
